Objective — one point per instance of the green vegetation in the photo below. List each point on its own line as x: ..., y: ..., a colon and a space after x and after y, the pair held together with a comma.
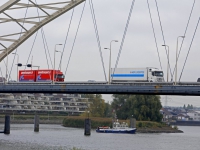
x: 98, y: 107
x: 141, y: 107
x: 78, y: 122
x: 188, y: 106
x: 175, y: 127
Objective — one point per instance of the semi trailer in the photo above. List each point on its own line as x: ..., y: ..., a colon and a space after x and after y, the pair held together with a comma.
x: 148, y: 74
x: 41, y: 75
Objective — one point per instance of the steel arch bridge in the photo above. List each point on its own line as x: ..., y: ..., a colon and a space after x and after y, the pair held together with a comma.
x: 58, y: 9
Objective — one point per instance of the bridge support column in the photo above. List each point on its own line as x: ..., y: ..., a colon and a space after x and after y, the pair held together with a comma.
x: 133, y: 123
x: 87, y: 127
x: 7, y: 125
x: 36, y: 123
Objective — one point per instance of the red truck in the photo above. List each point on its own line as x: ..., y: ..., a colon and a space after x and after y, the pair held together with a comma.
x: 40, y: 75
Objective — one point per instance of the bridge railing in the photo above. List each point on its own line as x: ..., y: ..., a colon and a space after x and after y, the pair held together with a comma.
x: 105, y: 83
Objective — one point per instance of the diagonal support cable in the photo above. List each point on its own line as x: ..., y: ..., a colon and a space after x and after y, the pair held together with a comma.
x: 189, y: 48
x: 75, y: 37
x: 66, y: 37
x: 184, y: 34
x: 154, y: 34
x: 97, y: 35
x: 163, y: 37
x: 124, y: 35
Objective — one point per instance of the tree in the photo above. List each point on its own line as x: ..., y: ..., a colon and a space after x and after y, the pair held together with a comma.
x: 142, y: 107
x: 97, y: 105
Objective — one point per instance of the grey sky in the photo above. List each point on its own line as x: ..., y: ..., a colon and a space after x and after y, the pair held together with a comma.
x: 139, y: 48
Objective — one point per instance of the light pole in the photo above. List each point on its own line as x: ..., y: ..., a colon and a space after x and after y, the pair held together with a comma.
x: 17, y: 65
x: 54, y: 62
x: 110, y: 59
x: 61, y: 55
x: 167, y: 61
x: 30, y: 65
x: 177, y: 56
x: 6, y: 63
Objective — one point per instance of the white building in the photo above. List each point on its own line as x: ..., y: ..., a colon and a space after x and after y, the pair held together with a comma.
x: 194, y: 115
x: 73, y: 103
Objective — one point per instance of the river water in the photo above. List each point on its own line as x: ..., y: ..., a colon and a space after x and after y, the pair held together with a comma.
x: 56, y: 137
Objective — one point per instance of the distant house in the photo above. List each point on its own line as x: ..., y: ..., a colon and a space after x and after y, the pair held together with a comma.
x: 167, y: 116
x: 182, y: 117
x: 194, y: 115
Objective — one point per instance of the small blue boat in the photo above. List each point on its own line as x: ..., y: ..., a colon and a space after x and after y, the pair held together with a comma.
x: 117, y: 128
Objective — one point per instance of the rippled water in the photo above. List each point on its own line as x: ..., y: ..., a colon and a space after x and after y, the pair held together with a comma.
x: 56, y: 137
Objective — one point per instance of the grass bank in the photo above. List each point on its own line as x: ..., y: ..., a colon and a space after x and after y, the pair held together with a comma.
x: 142, y: 126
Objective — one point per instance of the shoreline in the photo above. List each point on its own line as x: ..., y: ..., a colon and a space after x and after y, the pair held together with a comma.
x: 158, y: 131
x: 60, y: 122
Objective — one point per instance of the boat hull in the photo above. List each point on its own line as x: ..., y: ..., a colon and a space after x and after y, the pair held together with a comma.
x: 130, y: 131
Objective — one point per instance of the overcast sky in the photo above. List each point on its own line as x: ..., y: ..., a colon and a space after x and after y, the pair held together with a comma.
x: 139, y: 48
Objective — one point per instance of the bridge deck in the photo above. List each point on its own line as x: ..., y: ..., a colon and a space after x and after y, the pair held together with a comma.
x: 95, y: 88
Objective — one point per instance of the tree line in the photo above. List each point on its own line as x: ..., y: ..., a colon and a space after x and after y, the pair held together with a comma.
x: 141, y: 107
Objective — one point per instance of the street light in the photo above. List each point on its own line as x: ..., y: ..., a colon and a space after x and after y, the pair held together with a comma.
x: 61, y: 55
x: 30, y: 65
x: 54, y: 61
x: 17, y: 65
x: 6, y: 63
x: 110, y: 59
x: 167, y: 61
x: 177, y: 56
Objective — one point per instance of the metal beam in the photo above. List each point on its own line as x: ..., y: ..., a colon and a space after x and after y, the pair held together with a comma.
x: 9, y: 40
x: 8, y: 5
x: 18, y: 20
x: 3, y: 46
x: 103, y: 89
x: 15, y: 21
x: 39, y: 7
x: 40, y: 24
x: 12, y: 34
x: 30, y: 5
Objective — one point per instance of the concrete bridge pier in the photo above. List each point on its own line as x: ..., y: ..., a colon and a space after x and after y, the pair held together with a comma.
x: 87, y: 127
x: 133, y: 123
x: 36, y: 123
x: 7, y: 125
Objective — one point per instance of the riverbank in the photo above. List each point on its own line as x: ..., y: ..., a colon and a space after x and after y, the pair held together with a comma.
x: 142, y: 126
x: 78, y: 122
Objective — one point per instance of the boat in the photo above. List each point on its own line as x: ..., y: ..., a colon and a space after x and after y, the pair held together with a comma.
x: 117, y: 128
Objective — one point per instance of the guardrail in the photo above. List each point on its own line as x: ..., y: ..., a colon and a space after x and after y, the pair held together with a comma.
x: 105, y: 83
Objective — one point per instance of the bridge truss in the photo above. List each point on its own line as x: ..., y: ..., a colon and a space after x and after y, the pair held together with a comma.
x: 9, y: 42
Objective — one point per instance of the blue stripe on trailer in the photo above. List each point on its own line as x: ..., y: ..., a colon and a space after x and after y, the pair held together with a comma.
x: 127, y: 75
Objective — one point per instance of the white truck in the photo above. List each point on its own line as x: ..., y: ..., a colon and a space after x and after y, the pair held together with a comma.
x: 148, y: 74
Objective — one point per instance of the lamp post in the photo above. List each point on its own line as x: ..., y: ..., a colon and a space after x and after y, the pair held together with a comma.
x: 6, y: 63
x: 177, y: 56
x: 17, y: 65
x: 110, y: 59
x: 61, y: 55
x: 167, y: 61
x: 30, y: 65
x: 54, y: 62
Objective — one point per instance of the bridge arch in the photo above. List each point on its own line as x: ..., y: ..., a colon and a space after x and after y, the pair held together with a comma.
x: 37, y: 25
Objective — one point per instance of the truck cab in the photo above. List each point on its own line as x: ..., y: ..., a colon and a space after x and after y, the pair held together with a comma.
x: 59, y: 77
x: 155, y: 75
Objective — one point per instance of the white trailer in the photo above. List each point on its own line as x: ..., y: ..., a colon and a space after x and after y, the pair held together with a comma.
x: 148, y: 74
